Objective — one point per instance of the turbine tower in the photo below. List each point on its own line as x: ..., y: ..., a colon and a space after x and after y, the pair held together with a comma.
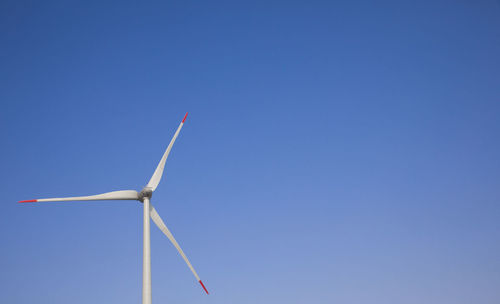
x: 148, y: 212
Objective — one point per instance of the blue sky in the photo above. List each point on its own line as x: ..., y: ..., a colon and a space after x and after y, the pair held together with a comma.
x: 335, y: 152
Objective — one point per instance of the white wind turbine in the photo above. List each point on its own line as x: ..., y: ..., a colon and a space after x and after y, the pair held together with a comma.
x: 149, y: 211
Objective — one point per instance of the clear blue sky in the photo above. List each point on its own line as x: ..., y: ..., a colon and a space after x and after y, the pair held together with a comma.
x: 335, y: 152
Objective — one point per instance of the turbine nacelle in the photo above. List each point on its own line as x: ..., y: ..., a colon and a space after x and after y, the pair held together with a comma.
x: 145, y: 192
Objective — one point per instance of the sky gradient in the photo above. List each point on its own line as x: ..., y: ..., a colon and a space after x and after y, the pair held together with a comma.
x: 334, y: 152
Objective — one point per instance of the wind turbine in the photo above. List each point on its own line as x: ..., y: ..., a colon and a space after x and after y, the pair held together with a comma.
x: 149, y: 211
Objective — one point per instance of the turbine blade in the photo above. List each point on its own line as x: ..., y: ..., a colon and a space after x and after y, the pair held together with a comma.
x: 115, y: 195
x: 155, y: 179
x: 159, y: 222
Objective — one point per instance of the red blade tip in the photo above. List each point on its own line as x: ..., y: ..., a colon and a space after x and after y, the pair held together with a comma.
x: 28, y: 201
x: 203, y: 286
x: 185, y: 116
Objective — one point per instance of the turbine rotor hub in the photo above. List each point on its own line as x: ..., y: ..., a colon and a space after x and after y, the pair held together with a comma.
x: 146, y: 192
